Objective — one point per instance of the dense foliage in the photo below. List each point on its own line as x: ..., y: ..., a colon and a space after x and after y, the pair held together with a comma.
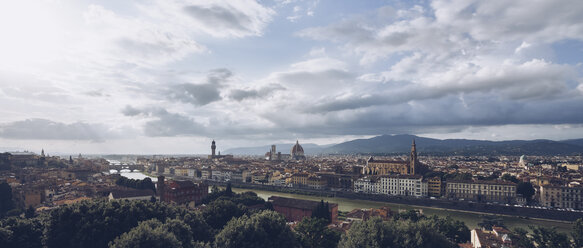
x: 145, y: 183
x: 376, y: 233
x: 241, y: 220
x: 265, y: 229
x: 314, y: 233
x: 526, y: 190
x: 6, y: 202
x: 322, y: 211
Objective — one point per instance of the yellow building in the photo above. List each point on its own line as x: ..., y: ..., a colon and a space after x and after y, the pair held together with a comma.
x: 300, y: 179
x: 435, y: 187
x: 316, y: 182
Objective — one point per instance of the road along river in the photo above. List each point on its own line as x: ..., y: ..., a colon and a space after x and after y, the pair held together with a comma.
x: 470, y: 218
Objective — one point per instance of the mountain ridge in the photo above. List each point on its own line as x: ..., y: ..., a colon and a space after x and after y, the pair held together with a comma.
x: 401, y: 144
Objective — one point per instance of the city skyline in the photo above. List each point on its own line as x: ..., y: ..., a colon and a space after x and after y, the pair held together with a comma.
x: 170, y: 76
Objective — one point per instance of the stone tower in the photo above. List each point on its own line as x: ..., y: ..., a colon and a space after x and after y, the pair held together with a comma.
x: 160, y: 188
x: 213, y: 148
x: 413, y: 162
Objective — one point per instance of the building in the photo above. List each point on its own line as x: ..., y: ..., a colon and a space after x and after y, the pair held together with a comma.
x: 384, y: 213
x: 498, y: 237
x: 406, y: 185
x: 295, y: 210
x: 482, y: 191
x: 131, y: 194
x: 217, y: 156
x: 297, y: 152
x: 316, y: 182
x: 435, y: 187
x: 559, y: 196
x: 367, y: 184
x: 23, y: 159
x: 300, y: 179
x: 181, y: 192
x: 338, y: 181
x: 387, y: 167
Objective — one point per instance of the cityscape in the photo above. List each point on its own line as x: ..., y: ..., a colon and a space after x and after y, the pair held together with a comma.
x: 291, y: 123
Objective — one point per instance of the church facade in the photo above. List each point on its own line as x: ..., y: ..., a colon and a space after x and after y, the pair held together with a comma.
x: 386, y: 167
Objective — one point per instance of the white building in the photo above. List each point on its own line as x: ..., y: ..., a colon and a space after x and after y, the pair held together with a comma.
x: 366, y: 185
x: 406, y: 185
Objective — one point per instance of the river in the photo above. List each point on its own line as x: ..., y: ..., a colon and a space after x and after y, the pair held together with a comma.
x: 346, y: 205
x: 471, y: 219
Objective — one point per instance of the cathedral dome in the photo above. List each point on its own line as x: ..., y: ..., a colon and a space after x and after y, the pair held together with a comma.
x: 297, y: 150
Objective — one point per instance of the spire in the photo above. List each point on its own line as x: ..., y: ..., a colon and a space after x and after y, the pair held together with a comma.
x: 42, y: 153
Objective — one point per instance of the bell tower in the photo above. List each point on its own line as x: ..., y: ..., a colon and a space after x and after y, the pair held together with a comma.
x: 213, y: 148
x: 413, y: 163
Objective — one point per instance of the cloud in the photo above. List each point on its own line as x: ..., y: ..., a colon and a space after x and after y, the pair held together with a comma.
x: 161, y: 123
x: 42, y: 129
x: 122, y: 39
x: 229, y: 18
x: 200, y: 94
x: 262, y: 92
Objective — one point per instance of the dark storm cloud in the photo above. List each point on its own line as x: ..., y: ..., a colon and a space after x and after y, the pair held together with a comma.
x: 242, y: 94
x: 43, y: 129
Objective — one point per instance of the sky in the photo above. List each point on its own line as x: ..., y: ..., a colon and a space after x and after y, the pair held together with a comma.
x: 169, y: 76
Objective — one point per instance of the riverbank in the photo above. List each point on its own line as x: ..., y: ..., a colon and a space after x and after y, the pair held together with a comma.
x: 471, y: 219
x: 468, y: 212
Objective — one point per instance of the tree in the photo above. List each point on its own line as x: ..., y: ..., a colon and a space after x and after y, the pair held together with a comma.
x: 322, y: 211
x: 488, y: 221
x: 22, y: 233
x: 151, y: 233
x: 229, y: 190
x: 412, y: 215
x: 6, y: 202
x: 509, y: 178
x: 418, y: 234
x: 265, y: 229
x: 219, y: 212
x: 526, y: 190
x: 455, y: 230
x: 577, y: 233
x: 29, y: 213
x: 96, y: 223
x: 372, y: 233
x: 314, y: 232
x: 549, y: 237
x: 521, y: 239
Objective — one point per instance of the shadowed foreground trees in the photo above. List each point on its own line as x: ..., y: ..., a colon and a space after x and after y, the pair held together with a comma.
x: 265, y: 229
x: 314, y: 233
x: 376, y: 233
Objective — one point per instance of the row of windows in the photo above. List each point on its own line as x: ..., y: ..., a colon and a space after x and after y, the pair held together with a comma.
x: 474, y: 186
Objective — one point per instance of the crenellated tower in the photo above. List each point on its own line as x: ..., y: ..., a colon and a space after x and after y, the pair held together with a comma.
x: 213, y: 148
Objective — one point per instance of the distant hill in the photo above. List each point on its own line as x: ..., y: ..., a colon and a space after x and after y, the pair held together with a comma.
x: 401, y: 144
